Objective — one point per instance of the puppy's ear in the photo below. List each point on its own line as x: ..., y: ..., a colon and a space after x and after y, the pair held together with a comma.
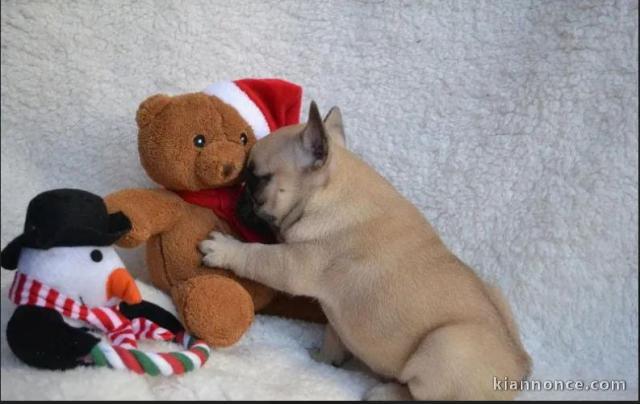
x: 333, y: 125
x: 313, y: 142
x: 151, y: 107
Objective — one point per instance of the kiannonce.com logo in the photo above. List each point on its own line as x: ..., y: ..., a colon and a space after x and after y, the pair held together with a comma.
x: 504, y: 384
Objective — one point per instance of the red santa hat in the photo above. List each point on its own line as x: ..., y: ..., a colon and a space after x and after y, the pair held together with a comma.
x: 266, y: 104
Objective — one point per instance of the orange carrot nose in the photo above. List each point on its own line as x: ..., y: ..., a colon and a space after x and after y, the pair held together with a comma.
x: 121, y: 285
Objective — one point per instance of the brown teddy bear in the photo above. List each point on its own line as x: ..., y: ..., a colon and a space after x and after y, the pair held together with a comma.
x: 195, y: 145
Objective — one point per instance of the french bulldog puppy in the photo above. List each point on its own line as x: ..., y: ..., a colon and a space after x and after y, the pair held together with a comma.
x: 394, y: 294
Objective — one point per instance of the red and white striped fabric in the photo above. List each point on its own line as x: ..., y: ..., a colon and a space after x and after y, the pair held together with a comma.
x: 121, y: 331
x: 266, y: 104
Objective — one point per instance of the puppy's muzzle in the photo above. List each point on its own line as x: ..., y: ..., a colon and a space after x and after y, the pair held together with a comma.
x: 248, y: 212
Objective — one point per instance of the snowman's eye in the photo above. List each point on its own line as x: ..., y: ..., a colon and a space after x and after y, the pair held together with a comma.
x: 96, y: 255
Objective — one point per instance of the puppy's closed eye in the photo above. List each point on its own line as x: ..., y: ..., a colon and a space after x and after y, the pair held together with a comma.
x: 254, y: 181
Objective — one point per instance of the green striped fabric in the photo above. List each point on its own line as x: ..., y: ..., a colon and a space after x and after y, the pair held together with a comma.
x: 151, y: 363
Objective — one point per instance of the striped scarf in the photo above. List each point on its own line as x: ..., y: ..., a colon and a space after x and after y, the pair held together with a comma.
x: 121, y: 331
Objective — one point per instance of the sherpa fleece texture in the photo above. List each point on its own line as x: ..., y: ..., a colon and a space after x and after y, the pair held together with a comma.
x: 511, y: 124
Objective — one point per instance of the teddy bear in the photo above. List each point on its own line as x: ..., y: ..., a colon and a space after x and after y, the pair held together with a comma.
x: 195, y: 147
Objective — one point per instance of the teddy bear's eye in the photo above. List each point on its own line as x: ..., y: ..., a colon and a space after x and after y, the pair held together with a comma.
x: 96, y: 255
x: 199, y: 141
x: 243, y: 138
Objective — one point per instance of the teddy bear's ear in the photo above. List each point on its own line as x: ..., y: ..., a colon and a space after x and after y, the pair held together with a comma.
x: 150, y: 108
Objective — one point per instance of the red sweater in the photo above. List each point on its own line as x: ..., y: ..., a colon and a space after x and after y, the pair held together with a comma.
x: 223, y: 202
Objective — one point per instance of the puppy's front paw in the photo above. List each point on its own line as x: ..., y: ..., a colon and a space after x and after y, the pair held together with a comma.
x: 219, y: 250
x: 321, y: 356
x: 330, y: 357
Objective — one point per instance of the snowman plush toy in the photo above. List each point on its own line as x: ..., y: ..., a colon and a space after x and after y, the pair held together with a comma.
x: 76, y: 303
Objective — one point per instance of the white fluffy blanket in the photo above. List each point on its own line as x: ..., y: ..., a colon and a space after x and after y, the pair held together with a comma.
x: 511, y: 124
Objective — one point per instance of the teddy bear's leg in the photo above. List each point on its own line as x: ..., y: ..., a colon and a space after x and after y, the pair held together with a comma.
x: 215, y: 308
x: 260, y: 294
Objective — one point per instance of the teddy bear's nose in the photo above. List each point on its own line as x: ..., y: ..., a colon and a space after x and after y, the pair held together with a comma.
x: 227, y: 170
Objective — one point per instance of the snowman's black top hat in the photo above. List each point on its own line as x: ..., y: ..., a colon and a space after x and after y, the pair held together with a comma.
x: 66, y: 218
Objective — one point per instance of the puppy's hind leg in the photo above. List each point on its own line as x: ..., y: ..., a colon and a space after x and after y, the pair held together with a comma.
x: 333, y: 350
x: 459, y: 361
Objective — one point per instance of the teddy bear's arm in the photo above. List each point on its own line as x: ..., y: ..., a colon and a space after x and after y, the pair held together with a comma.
x: 151, y: 211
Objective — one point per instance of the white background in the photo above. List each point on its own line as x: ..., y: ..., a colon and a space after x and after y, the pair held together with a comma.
x: 511, y: 124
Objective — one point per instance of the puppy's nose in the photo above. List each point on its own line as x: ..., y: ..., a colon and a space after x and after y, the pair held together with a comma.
x: 269, y: 218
